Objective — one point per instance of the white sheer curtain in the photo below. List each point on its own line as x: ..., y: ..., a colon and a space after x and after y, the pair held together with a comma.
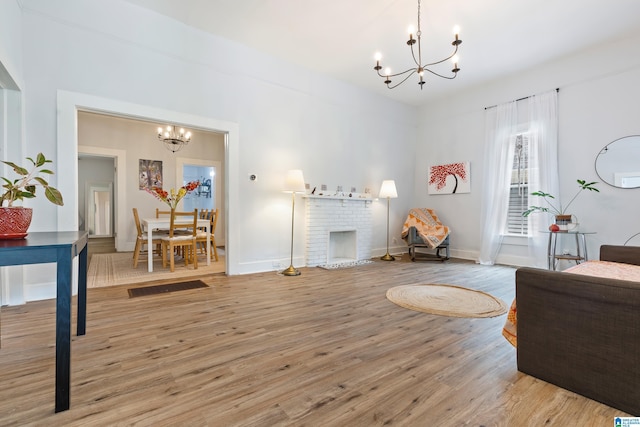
x: 539, y: 118
x: 543, y: 168
x: 501, y: 124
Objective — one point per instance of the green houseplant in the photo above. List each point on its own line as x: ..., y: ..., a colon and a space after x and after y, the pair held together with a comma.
x: 560, y: 212
x: 15, y: 220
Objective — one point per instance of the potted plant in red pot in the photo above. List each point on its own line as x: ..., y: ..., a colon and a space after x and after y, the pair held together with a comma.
x: 15, y: 220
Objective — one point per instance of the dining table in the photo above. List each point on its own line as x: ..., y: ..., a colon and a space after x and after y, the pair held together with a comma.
x: 164, y: 223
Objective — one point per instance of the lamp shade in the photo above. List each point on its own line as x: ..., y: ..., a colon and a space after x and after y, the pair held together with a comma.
x: 294, y: 182
x: 388, y: 189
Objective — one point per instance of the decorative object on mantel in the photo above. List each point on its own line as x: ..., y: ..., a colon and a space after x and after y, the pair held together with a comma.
x: 15, y: 220
x: 439, y: 182
x: 420, y: 67
x: 174, y: 139
x: 294, y: 183
x: 337, y: 195
x: 388, y: 190
x: 564, y: 221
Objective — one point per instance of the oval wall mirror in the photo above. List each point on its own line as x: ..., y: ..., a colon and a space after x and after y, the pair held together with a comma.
x: 618, y: 163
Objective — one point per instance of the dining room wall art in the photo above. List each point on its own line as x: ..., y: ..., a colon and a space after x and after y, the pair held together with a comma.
x: 149, y: 174
x: 452, y: 178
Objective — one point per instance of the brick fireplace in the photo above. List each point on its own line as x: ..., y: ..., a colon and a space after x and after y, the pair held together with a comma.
x: 338, y: 229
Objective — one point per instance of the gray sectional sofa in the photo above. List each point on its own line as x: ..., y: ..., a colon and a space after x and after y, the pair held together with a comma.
x: 582, y: 333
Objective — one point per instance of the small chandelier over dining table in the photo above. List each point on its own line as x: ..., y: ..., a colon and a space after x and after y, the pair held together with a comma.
x: 420, y: 68
x: 174, y: 139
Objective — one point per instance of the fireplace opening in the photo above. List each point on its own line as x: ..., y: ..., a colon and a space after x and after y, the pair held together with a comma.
x: 343, y: 247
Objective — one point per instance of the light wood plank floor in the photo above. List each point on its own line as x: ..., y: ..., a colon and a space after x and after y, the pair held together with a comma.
x: 322, y: 349
x: 100, y: 245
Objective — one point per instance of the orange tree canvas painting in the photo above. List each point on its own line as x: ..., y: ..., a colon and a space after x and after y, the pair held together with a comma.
x: 452, y: 178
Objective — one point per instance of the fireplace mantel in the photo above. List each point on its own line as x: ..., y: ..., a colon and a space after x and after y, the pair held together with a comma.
x: 356, y: 198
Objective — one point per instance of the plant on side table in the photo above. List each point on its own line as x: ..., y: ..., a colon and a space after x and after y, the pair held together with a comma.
x: 15, y: 220
x: 562, y: 218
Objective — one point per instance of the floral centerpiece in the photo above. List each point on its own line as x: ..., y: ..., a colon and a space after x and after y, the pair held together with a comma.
x: 173, y: 197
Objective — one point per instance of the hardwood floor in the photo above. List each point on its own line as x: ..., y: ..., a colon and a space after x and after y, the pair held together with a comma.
x: 322, y: 349
x: 100, y: 245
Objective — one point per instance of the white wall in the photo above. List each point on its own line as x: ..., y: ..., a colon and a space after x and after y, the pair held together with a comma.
x: 10, y: 45
x: 11, y: 126
x: 598, y: 103
x: 288, y: 117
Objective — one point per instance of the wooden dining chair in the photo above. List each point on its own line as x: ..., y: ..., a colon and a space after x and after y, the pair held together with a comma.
x: 201, y: 237
x: 183, y: 229
x: 160, y: 213
x: 141, y: 239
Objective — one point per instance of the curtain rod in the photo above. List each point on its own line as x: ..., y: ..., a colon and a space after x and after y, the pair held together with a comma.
x: 519, y: 99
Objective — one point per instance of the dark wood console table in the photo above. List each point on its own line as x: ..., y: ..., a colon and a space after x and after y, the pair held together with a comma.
x: 59, y: 247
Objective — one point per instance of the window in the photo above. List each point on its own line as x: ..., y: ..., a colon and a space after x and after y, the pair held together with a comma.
x: 519, y: 187
x: 521, y: 155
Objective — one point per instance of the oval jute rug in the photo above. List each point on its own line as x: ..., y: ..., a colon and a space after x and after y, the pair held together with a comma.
x: 447, y: 300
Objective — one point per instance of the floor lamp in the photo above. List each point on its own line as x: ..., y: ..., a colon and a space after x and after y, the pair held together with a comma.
x: 294, y: 183
x: 388, y: 190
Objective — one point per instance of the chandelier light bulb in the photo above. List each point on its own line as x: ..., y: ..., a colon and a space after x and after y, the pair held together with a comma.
x: 387, y: 71
x: 377, y: 56
x: 455, y: 64
x: 456, y: 30
x: 411, y: 30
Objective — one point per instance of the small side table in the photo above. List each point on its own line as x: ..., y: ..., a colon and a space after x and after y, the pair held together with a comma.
x: 581, y: 247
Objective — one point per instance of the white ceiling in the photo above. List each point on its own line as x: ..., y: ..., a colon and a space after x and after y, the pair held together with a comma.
x: 340, y: 37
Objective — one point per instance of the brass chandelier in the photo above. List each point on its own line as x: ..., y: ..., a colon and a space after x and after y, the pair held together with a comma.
x: 174, y: 139
x: 420, y: 68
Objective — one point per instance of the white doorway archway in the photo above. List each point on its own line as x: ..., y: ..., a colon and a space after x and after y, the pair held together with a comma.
x: 69, y: 103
